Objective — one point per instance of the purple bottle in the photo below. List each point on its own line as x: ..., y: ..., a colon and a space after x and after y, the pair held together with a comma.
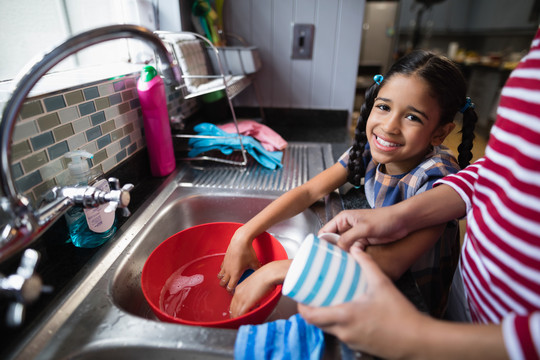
x: 157, y: 130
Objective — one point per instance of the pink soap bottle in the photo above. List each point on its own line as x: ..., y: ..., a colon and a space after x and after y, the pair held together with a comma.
x: 157, y: 130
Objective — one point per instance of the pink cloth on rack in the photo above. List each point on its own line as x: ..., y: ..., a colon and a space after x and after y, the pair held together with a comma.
x: 268, y: 138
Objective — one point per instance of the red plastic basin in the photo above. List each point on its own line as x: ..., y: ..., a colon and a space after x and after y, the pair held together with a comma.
x: 179, y: 279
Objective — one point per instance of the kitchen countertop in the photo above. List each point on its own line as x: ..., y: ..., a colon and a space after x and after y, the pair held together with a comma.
x: 60, y: 261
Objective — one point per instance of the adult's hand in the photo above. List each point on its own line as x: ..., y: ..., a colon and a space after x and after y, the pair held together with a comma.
x: 384, y: 323
x: 365, y: 227
x: 379, y: 322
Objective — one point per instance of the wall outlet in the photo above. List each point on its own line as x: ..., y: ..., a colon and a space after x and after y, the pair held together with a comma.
x: 302, y: 47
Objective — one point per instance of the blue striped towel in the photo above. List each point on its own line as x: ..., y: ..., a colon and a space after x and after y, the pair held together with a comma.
x: 281, y: 339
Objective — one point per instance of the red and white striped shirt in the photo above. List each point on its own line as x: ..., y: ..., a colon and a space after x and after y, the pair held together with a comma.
x: 500, y: 261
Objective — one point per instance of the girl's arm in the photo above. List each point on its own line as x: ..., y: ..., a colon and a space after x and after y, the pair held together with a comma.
x: 396, y: 257
x: 240, y: 254
x: 382, y: 322
x: 250, y: 292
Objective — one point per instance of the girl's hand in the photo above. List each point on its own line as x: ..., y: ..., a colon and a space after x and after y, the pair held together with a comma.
x: 380, y: 317
x: 239, y: 257
x: 250, y: 292
x: 365, y: 227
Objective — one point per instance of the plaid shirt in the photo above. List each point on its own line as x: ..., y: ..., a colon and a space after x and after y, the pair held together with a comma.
x: 434, y: 270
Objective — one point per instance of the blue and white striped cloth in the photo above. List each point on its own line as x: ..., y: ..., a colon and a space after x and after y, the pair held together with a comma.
x: 280, y: 340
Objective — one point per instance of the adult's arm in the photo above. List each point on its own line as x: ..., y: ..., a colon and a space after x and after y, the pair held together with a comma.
x: 382, y: 322
x: 382, y: 225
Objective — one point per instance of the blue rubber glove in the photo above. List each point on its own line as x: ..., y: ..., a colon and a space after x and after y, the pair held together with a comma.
x: 228, y: 142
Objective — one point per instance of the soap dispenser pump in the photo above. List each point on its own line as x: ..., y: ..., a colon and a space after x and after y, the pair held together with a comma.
x: 79, y: 171
x: 88, y: 228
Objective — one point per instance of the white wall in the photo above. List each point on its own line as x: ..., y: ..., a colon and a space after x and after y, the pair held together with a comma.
x: 44, y: 29
x: 328, y: 80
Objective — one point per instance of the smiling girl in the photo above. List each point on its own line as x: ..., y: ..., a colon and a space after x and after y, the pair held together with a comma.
x: 398, y: 153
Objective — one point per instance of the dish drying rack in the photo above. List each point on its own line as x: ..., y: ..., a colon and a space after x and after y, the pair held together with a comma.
x: 195, y: 55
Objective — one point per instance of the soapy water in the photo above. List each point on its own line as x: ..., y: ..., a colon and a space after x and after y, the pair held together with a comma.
x: 193, y: 292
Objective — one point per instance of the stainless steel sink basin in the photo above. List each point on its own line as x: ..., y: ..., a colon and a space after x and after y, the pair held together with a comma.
x: 188, y: 207
x: 104, y: 314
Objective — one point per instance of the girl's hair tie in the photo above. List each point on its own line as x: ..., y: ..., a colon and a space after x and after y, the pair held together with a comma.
x: 378, y: 79
x: 468, y: 104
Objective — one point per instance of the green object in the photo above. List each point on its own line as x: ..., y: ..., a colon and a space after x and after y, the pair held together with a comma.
x: 206, y: 14
x: 148, y: 73
x: 213, y: 96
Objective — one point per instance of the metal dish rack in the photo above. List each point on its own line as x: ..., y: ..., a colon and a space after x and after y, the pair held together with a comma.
x: 191, y: 52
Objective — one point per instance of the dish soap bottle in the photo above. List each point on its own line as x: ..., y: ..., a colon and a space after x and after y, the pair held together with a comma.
x: 157, y: 130
x: 88, y: 228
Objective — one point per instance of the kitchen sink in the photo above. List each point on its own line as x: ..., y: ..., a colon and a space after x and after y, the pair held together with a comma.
x: 140, y: 352
x: 104, y: 314
x: 186, y: 208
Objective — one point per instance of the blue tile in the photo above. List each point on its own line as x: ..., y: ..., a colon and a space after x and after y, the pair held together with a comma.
x: 119, y: 85
x: 125, y: 141
x: 87, y: 108
x: 58, y: 150
x: 91, y: 93
x: 121, y: 156
x: 16, y: 170
x: 43, y: 140
x: 98, y: 118
x: 29, y: 181
x: 104, y: 141
x: 115, y: 99
x: 54, y: 103
x: 135, y: 103
x: 131, y: 149
x: 93, y: 133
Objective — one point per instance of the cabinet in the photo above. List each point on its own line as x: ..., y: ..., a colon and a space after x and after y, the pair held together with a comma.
x: 469, y: 15
x: 439, y: 17
x: 500, y: 14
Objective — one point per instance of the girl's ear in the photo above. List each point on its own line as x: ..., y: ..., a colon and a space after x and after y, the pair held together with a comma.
x: 441, y: 133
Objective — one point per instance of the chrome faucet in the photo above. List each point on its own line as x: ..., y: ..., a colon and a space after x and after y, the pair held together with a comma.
x: 24, y: 223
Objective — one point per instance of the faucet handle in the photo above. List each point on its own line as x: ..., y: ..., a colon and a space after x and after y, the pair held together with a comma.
x: 119, y: 197
x: 28, y: 263
x: 24, y: 286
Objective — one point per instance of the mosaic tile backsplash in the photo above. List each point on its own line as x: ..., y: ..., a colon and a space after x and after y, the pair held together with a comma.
x: 103, y: 118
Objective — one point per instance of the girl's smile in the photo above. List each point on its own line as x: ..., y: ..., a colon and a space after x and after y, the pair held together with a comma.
x: 403, y: 124
x: 385, y: 145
